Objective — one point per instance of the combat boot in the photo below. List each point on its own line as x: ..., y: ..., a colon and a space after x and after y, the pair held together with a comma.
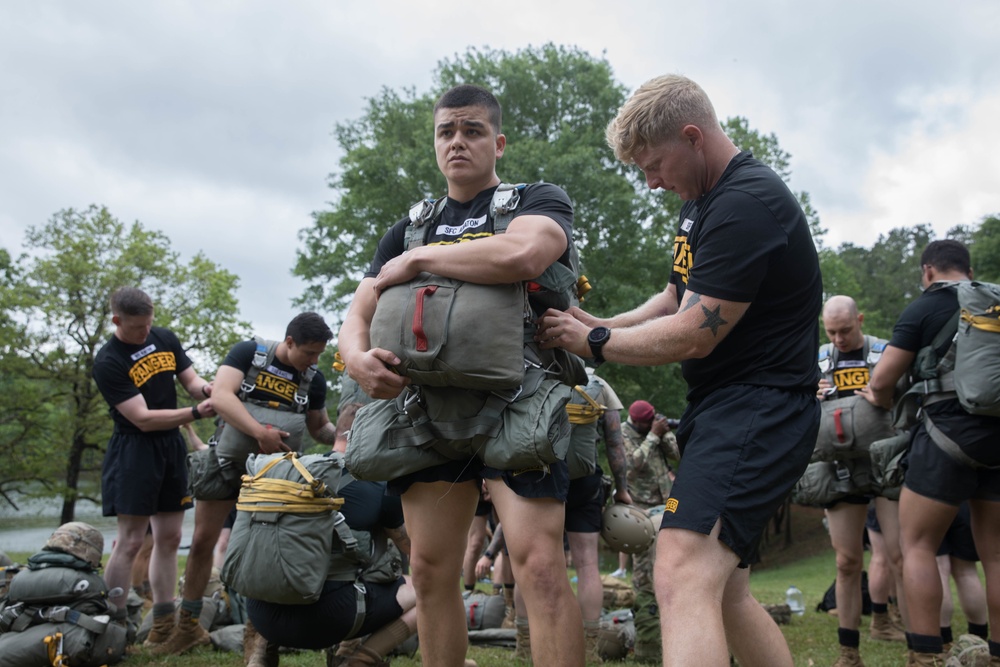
x: 522, y: 640
x: 591, y: 641
x: 883, y: 629
x: 849, y: 657
x: 160, y: 632
x: 918, y: 659
x: 187, y: 634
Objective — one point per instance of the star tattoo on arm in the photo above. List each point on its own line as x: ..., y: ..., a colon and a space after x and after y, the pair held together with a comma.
x: 712, y: 320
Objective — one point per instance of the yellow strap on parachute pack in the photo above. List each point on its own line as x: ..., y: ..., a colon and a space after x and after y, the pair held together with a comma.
x: 259, y: 494
x: 584, y: 414
x: 984, y: 322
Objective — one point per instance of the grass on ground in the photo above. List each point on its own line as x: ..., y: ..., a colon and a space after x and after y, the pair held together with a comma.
x: 807, y: 562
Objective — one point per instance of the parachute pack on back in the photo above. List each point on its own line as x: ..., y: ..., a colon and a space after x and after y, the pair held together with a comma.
x: 971, y: 366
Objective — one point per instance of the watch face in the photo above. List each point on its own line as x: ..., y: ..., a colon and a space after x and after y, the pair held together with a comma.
x: 598, y: 335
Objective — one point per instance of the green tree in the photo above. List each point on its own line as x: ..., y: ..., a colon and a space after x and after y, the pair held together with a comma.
x: 557, y: 102
x: 56, y: 318
x: 985, y: 249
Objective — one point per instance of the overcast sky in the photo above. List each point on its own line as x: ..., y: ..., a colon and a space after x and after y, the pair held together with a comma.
x: 212, y: 121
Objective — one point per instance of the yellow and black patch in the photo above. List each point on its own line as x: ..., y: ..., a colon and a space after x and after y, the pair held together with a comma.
x: 150, y: 365
x: 276, y: 386
x: 682, y: 257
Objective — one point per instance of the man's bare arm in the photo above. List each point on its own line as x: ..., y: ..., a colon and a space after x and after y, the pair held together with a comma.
x: 894, y: 362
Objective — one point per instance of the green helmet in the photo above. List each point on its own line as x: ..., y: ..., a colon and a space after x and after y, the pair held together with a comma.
x: 78, y: 539
x: 627, y: 528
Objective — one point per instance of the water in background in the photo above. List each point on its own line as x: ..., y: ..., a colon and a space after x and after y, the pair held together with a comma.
x: 27, y: 529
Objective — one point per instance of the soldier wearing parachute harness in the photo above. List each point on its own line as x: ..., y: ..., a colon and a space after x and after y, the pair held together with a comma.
x: 845, y: 364
x: 446, y: 250
x: 268, y: 394
x: 948, y: 339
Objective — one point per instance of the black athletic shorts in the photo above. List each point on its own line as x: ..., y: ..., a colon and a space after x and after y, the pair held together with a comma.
x: 871, y: 520
x: 958, y: 541
x: 484, y: 507
x: 743, y: 448
x: 584, y: 504
x: 550, y: 482
x: 144, y: 474
x: 329, y: 619
x: 934, y: 474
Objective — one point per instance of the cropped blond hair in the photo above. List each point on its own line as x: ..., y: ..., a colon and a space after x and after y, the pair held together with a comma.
x: 656, y: 113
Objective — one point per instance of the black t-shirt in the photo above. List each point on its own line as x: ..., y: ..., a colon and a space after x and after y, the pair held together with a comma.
x: 747, y: 240
x: 466, y: 221
x: 277, y: 381
x: 124, y: 370
x: 923, y: 319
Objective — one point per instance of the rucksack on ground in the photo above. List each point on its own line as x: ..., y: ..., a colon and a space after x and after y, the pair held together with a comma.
x: 484, y: 612
x: 57, y: 613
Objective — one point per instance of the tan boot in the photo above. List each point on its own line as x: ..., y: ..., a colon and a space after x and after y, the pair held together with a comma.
x: 591, y: 639
x: 509, y: 612
x: 362, y: 656
x: 265, y: 654
x: 917, y: 659
x: 160, y: 632
x: 522, y: 639
x: 883, y: 629
x: 187, y: 634
x: 849, y: 657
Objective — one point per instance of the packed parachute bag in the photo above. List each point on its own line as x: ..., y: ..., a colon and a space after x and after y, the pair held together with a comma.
x: 483, y: 612
x: 57, y: 613
x: 616, y: 636
x: 286, y: 520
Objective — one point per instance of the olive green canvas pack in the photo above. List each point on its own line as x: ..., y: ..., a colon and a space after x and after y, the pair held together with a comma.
x: 847, y: 428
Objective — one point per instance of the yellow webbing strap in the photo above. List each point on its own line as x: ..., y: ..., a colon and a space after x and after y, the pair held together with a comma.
x: 984, y: 322
x: 258, y: 494
x: 54, y: 645
x: 584, y: 414
x: 338, y: 362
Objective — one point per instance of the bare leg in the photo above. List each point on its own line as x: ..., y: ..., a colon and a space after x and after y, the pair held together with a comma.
x: 209, y: 517
x: 705, y: 603
x: 533, y: 529
x: 163, y: 560
x: 923, y: 523
x: 888, y: 520
x: 118, y: 571
x: 436, y: 561
x: 847, y: 525
x: 986, y: 532
x: 473, y: 550
x: 589, y: 589
x: 971, y: 595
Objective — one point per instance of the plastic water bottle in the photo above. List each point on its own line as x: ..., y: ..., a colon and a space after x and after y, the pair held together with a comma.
x: 795, y: 601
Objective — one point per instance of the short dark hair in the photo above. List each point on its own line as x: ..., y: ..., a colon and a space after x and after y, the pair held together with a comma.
x: 947, y: 255
x: 467, y: 95
x: 308, y: 328
x: 130, y: 301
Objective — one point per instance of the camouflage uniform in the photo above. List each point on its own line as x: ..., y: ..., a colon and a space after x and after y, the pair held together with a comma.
x: 649, y: 485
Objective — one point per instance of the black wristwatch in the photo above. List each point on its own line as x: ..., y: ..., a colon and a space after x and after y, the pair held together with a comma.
x: 597, y: 337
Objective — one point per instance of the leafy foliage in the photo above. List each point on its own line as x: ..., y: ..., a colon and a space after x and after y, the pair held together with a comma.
x: 53, y: 420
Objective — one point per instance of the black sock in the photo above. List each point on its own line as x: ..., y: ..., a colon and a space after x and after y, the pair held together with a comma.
x: 163, y: 609
x: 946, y: 636
x: 980, y: 630
x: 470, y: 587
x: 849, y: 638
x: 994, y: 648
x: 926, y: 643
x: 880, y: 608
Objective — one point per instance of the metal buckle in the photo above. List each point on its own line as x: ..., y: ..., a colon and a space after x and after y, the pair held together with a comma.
x: 505, y: 201
x: 420, y: 211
